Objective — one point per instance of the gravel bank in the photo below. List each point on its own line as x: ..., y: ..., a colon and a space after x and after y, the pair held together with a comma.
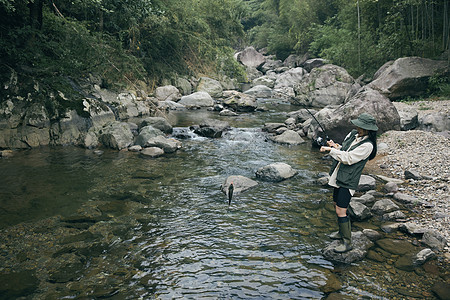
x: 428, y: 155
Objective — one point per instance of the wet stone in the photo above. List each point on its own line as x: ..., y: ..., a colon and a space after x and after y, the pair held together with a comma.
x: 67, y: 273
x: 399, y: 247
x: 333, y: 284
x: 360, y: 244
x: 17, y: 284
x: 85, y: 236
x: 441, y: 290
x: 375, y: 256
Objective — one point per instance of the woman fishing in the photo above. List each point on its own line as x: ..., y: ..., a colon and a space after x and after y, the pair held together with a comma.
x: 359, y: 146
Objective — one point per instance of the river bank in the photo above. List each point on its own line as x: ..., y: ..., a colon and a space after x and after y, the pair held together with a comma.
x: 424, y: 155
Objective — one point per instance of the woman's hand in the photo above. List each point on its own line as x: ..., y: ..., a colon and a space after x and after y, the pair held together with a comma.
x: 324, y: 148
x: 332, y: 144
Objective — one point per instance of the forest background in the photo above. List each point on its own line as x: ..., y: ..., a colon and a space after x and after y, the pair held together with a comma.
x: 153, y: 41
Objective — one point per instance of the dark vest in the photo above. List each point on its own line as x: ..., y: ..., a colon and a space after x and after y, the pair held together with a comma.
x: 348, y: 175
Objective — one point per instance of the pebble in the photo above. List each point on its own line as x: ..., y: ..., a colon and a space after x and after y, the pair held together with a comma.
x: 426, y: 154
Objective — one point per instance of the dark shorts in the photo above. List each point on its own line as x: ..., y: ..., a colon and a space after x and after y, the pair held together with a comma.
x: 341, y: 196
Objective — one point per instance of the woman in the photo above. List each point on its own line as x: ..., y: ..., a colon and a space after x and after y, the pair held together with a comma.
x: 358, y: 147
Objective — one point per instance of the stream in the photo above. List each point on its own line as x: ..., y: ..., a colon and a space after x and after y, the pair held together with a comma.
x: 78, y: 225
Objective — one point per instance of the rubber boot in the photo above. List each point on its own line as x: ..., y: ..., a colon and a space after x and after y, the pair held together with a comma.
x: 345, y: 228
x: 335, y: 235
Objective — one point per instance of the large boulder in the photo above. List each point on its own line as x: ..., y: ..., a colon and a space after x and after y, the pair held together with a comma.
x: 197, y: 99
x: 146, y: 133
x: 260, y: 91
x: 336, y: 122
x: 169, y: 145
x: 240, y: 184
x: 167, y: 93
x: 184, y: 86
x: 290, y: 78
x: 313, y: 63
x: 266, y: 80
x: 158, y: 123
x: 275, y: 172
x: 327, y: 85
x: 407, y: 76
x: 288, y: 137
x: 211, y: 128
x: 293, y: 60
x: 409, y: 118
x: 210, y: 86
x: 126, y: 104
x: 239, y: 101
x: 434, y: 122
x: 250, y: 57
x: 116, y: 135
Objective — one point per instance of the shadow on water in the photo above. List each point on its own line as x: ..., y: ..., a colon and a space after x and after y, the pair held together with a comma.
x: 133, y: 227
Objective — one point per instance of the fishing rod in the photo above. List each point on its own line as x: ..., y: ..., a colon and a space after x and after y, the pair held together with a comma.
x: 319, y: 141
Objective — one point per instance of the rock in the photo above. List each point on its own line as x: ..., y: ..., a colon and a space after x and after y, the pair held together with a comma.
x: 271, y: 64
x: 293, y: 60
x: 332, y: 284
x: 152, y: 151
x: 210, y: 86
x: 360, y: 244
x: 250, y: 57
x: 384, y: 206
x: 372, y: 235
x: 18, y: 285
x: 365, y: 199
x: 405, y: 263
x: 227, y: 113
x: 412, y: 174
x: 197, y: 99
x: 323, y: 180
x: 382, y: 69
x: 390, y: 228
x: 336, y: 122
x: 240, y: 183
x: 290, y: 78
x: 389, y: 179
x: 398, y: 247
x: 275, y: 172
x: 170, y: 105
x: 375, y: 256
x: 184, y: 86
x: 434, y: 122
x: 394, y: 216
x: 434, y: 239
x: 302, y: 115
x: 289, y: 137
x: 117, y: 135
x: 406, y: 199
x: 441, y: 290
x: 69, y: 272
x: 158, y: 123
x: 239, y: 101
x: 327, y: 85
x: 359, y: 211
x: 146, y: 133
x: 422, y: 257
x: 313, y: 63
x: 407, y: 76
x: 264, y: 80
x: 167, y: 93
x: 135, y: 148
x: 169, y: 145
x: 409, y: 118
x: 366, y: 183
x: 212, y: 128
x: 390, y: 187
x: 6, y: 153
x: 260, y: 91
x: 272, y: 127
x: 252, y: 73
x: 412, y: 229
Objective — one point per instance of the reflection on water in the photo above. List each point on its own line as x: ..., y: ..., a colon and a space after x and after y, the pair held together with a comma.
x: 166, y: 229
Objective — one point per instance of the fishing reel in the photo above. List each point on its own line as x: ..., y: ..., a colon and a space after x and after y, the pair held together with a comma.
x: 320, y: 141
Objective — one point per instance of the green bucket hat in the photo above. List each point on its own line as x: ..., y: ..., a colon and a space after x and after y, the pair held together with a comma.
x: 366, y: 121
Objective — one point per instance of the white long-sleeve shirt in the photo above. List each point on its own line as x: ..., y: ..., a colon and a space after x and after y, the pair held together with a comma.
x: 349, y: 157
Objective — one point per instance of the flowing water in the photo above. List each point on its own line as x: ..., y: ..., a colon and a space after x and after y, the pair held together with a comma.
x: 164, y: 229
